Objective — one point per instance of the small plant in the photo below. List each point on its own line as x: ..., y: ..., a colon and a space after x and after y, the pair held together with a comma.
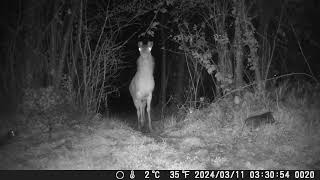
x: 43, y: 107
x: 40, y: 100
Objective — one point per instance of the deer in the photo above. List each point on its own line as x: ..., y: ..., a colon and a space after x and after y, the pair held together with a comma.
x: 142, y: 84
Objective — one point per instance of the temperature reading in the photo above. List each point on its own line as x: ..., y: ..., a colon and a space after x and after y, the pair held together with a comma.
x: 174, y: 175
x: 146, y: 175
x: 155, y: 174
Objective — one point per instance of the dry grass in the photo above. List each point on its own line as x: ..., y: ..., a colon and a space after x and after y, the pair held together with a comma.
x: 210, y: 138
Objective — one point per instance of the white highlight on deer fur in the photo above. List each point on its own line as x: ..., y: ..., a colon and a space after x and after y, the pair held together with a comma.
x: 142, y: 84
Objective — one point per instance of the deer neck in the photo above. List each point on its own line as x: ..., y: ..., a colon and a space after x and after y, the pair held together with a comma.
x: 145, y: 64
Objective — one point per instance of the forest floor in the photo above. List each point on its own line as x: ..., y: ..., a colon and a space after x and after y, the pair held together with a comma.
x: 196, y: 142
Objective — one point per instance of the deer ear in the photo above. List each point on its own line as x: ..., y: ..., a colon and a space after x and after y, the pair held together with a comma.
x: 140, y: 44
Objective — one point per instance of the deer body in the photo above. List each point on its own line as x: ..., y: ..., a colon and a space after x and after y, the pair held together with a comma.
x: 142, y: 84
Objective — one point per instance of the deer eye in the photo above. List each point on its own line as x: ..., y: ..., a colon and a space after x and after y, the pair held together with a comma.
x: 149, y: 48
x: 139, y: 49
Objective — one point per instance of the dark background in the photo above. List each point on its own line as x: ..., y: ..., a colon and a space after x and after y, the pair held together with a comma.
x: 303, y: 15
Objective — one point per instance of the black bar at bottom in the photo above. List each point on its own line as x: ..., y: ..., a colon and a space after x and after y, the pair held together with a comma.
x: 161, y: 174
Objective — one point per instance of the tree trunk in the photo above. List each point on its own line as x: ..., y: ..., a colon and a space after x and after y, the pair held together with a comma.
x: 180, y: 77
x: 53, y: 45
x: 163, y: 63
x: 238, y: 45
x: 65, y: 40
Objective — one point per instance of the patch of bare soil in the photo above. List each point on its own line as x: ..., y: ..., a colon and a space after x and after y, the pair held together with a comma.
x: 194, y: 144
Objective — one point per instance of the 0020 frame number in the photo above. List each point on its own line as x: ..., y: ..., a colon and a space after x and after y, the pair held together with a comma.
x: 304, y: 174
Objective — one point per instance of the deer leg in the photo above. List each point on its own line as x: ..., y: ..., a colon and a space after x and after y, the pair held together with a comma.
x: 143, y: 111
x: 138, y: 114
x: 137, y: 103
x: 149, y: 98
